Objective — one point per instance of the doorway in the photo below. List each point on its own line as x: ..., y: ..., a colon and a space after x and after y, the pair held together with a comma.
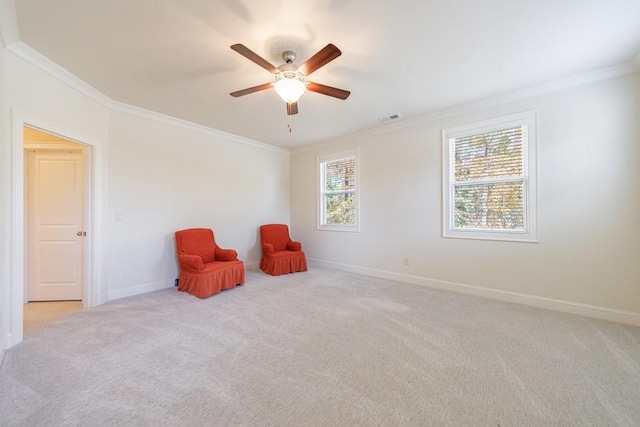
x: 54, y: 218
x: 92, y: 161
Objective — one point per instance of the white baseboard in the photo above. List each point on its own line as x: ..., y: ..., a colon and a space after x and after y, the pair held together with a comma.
x: 141, y: 289
x: 103, y: 298
x: 603, y: 313
x: 253, y: 265
x: 4, y: 341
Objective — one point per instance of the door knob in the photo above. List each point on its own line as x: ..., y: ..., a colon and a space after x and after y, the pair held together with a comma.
x: 81, y: 233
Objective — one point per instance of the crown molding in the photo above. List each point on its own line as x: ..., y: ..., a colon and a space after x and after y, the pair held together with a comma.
x: 174, y: 121
x: 38, y: 60
x: 506, y: 98
x: 35, y: 58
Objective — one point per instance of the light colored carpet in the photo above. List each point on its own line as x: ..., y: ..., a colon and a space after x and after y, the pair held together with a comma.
x: 323, y: 348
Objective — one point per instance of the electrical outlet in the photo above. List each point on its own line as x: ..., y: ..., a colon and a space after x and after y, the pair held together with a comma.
x: 405, y: 261
x: 176, y: 282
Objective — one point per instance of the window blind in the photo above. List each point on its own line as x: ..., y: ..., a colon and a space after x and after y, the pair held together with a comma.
x: 489, y: 180
x: 339, y: 192
x: 489, y: 155
x: 339, y: 175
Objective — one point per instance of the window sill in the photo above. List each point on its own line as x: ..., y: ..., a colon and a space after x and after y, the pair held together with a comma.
x: 343, y: 228
x: 522, y: 237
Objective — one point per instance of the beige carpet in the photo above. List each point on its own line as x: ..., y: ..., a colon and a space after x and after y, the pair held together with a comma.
x: 322, y: 348
x: 38, y: 314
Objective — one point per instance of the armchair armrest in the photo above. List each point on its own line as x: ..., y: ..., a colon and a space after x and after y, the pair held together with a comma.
x: 267, y: 248
x: 191, y: 261
x: 294, y: 246
x: 226, y: 254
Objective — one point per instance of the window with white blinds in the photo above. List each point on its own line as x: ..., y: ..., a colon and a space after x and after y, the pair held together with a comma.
x: 338, y: 202
x: 489, y: 179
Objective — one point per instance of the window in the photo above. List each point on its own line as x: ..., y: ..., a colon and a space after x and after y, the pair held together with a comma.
x: 338, y: 201
x: 489, y: 179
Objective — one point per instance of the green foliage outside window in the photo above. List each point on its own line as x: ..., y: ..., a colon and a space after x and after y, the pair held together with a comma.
x: 339, y: 192
x: 489, y: 182
x: 340, y: 209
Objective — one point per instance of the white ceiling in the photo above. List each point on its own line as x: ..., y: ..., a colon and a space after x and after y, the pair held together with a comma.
x: 406, y: 57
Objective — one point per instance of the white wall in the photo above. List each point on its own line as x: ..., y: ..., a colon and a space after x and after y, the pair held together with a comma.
x: 160, y: 174
x: 165, y: 178
x: 589, y: 205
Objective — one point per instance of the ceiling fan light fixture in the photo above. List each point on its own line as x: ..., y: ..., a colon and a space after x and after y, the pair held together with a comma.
x: 290, y: 87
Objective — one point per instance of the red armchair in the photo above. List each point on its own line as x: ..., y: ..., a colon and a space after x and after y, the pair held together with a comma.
x: 280, y: 255
x: 205, y: 268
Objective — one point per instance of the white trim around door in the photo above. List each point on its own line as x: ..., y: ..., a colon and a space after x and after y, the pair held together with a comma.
x: 93, y: 197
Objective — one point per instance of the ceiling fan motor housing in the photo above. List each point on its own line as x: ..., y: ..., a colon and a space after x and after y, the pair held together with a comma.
x: 288, y: 56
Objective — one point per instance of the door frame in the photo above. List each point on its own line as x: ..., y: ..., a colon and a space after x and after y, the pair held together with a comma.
x: 93, y: 159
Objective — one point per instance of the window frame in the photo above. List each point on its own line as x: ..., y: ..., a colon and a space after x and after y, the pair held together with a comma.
x: 321, y: 214
x: 527, y: 119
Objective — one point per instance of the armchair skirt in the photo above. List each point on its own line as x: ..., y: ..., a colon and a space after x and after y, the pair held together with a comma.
x: 215, y: 277
x: 283, y: 262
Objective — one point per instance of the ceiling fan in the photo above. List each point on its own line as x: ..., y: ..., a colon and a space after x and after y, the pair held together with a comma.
x: 291, y: 80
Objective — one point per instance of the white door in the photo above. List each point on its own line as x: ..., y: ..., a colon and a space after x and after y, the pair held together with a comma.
x: 55, y: 225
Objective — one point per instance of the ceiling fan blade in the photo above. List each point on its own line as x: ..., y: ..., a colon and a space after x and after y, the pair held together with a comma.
x: 252, y: 56
x: 249, y: 90
x: 323, y: 57
x: 328, y: 90
x: 292, y: 108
